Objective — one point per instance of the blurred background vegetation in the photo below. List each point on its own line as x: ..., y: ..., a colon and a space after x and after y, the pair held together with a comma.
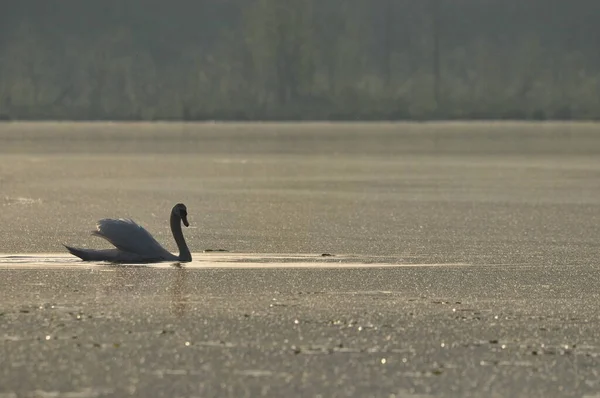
x: 300, y: 59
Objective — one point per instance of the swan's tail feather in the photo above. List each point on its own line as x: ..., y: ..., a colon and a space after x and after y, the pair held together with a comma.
x: 99, y: 255
x: 84, y: 254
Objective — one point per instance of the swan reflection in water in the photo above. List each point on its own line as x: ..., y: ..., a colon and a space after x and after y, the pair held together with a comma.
x: 133, y: 244
x: 179, y: 297
x: 145, y: 285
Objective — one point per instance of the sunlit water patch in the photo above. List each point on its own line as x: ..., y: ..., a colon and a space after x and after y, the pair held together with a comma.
x: 224, y: 260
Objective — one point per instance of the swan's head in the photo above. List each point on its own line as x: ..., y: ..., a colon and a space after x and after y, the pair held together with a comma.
x: 181, y: 210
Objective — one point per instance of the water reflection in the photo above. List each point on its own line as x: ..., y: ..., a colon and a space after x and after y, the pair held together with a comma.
x: 142, y: 281
x: 179, y: 296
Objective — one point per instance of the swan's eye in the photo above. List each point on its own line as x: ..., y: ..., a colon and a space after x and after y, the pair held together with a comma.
x: 183, y: 213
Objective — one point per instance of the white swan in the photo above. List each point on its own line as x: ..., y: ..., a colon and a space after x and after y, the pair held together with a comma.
x: 134, y: 244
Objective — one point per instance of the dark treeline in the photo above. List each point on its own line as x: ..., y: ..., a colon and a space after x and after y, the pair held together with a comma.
x: 300, y: 59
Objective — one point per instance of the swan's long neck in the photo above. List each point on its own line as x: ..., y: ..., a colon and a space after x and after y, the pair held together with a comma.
x: 184, y: 252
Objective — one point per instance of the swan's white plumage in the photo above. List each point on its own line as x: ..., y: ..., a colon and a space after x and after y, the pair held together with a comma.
x: 128, y: 236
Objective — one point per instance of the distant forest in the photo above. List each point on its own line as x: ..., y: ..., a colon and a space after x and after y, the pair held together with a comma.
x: 300, y: 59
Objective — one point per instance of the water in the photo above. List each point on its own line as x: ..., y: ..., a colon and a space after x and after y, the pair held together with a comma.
x: 464, y: 260
x: 513, y: 193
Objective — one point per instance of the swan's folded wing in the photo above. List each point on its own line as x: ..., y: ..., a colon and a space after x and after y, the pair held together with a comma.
x: 127, y: 235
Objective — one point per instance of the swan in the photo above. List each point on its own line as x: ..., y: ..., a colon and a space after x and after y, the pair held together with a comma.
x: 134, y: 244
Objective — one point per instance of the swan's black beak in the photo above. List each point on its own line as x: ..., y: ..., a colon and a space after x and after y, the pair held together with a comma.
x: 185, y: 221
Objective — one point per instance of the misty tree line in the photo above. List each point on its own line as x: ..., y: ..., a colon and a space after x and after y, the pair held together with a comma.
x: 300, y: 59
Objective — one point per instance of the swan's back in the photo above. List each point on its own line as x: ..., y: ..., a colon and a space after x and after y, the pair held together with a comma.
x: 128, y: 236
